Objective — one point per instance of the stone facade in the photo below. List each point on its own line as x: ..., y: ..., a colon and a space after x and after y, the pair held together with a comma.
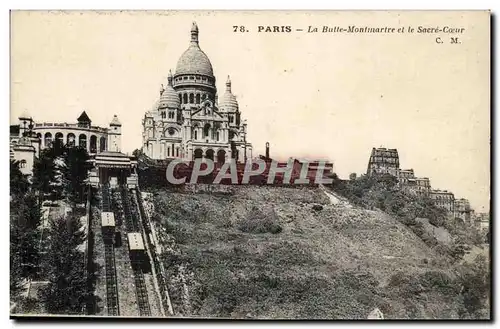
x: 463, y: 210
x: 383, y: 161
x: 188, y: 121
x: 82, y: 133
x: 28, y: 137
x: 443, y: 199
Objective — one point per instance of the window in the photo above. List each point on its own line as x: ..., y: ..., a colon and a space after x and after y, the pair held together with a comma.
x: 217, y: 136
x: 195, y: 134
x: 191, y: 98
x: 206, y: 130
x: 197, y: 98
x: 185, y: 98
x: 168, y: 151
x: 177, y: 152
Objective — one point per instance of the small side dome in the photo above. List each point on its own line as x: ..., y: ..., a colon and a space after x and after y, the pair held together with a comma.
x: 115, y: 121
x: 25, y: 115
x: 169, y: 97
x: 228, y: 102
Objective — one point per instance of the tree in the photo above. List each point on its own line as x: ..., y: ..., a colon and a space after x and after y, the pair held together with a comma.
x: 19, y: 184
x: 475, y: 280
x: 76, y: 172
x: 25, y: 219
x: 137, y: 153
x: 66, y: 292
x: 44, y: 172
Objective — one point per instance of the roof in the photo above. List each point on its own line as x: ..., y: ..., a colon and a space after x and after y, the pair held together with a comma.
x: 107, y: 219
x: 135, y: 241
x: 169, y: 97
x: 25, y: 115
x: 111, y: 154
x: 194, y: 60
x: 115, y: 121
x: 83, y: 117
x: 228, y: 101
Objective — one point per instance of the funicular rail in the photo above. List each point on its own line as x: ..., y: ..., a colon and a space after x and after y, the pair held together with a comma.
x: 109, y: 259
x: 132, y: 224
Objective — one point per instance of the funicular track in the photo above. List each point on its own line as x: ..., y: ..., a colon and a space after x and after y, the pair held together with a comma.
x: 110, y: 267
x: 132, y: 224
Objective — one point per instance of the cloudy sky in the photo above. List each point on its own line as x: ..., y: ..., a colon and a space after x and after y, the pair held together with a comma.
x: 318, y: 95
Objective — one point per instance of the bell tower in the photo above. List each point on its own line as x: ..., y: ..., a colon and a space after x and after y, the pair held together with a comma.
x: 115, y: 135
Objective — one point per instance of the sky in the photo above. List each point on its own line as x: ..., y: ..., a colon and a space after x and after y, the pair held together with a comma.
x: 318, y: 95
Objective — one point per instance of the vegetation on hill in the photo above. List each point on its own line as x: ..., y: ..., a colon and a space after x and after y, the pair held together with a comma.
x: 382, y: 192
x: 324, y: 262
x: 53, y: 253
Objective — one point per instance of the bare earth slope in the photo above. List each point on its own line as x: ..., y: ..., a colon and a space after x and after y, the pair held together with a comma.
x: 265, y: 252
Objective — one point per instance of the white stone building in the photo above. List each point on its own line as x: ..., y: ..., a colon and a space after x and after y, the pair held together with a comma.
x: 28, y: 138
x: 188, y: 121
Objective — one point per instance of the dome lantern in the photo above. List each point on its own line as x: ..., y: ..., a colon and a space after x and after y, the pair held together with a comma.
x: 194, y: 33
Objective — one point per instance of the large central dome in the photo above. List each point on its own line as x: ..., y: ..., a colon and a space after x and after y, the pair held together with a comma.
x: 194, y: 60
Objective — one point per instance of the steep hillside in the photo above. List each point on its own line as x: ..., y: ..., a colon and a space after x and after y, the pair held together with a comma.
x: 268, y: 252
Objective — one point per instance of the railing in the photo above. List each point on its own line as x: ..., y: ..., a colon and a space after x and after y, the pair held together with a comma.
x: 70, y: 125
x: 158, y: 269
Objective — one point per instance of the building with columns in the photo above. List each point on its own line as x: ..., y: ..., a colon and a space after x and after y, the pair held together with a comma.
x: 29, y: 137
x: 188, y: 121
x: 82, y: 133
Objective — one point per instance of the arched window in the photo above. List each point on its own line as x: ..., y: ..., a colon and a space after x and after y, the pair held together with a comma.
x: 221, y: 156
x: 185, y: 98
x: 180, y: 98
x: 82, y: 141
x: 93, y: 144
x: 59, y: 139
x: 204, y: 97
x: 47, y: 139
x: 197, y: 98
x: 191, y: 98
x: 70, y: 139
x: 168, y: 151
x: 102, y: 144
x: 195, y: 133
x: 198, y: 153
x: 217, y: 135
x: 209, y: 154
x: 206, y: 130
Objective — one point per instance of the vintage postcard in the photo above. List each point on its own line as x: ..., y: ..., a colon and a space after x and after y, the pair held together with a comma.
x: 326, y: 165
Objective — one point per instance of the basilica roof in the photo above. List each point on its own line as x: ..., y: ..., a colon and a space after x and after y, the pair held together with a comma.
x: 169, y: 97
x: 228, y: 102
x: 194, y: 60
x: 83, y: 117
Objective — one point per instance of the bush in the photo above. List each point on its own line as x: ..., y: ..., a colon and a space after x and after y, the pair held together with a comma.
x: 475, y: 280
x: 258, y: 222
